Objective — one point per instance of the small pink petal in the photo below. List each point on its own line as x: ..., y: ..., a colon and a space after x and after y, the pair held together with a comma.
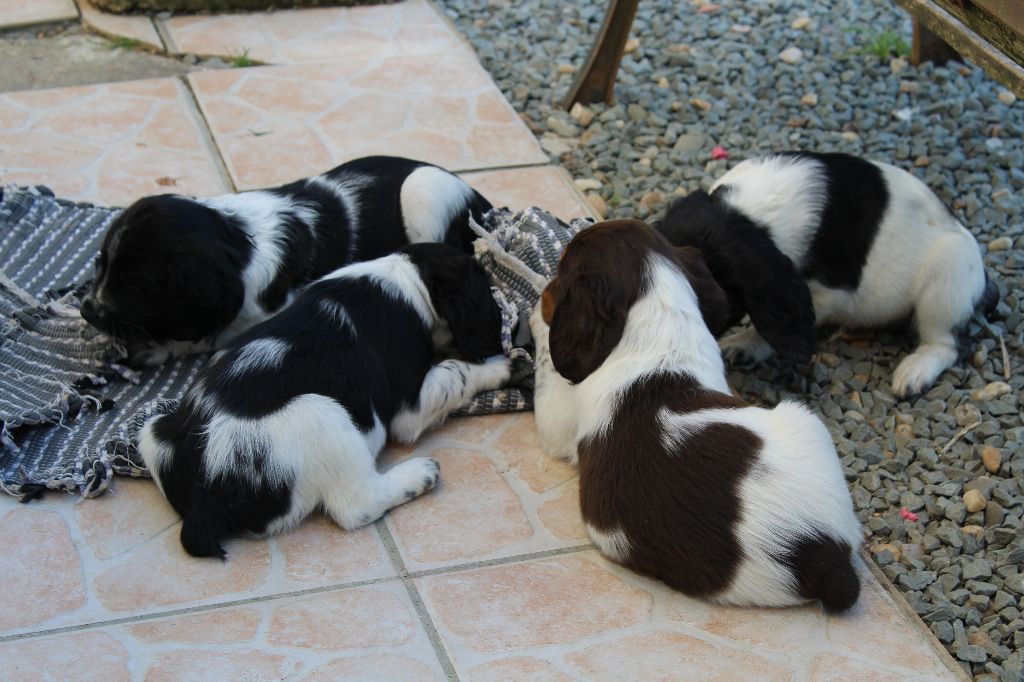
x: 908, y: 515
x: 719, y: 153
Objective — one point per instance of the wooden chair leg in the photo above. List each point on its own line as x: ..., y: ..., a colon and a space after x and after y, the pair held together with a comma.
x: 596, y: 80
x: 928, y: 47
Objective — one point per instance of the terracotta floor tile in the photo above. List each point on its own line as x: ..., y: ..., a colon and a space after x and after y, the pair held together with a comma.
x: 373, y: 668
x: 376, y: 615
x: 189, y: 664
x: 319, y: 552
x: 41, y: 569
x: 519, y: 668
x: 505, y: 608
x: 500, y: 461
x: 109, y: 143
x: 303, y: 120
x: 128, y: 585
x: 85, y: 656
x: 362, y: 633
x: 132, y: 512
x: 867, y: 629
x: 444, y: 526
x: 223, y: 626
x: 137, y: 27
x: 673, y: 656
x: 15, y: 13
x: 833, y: 667
x: 546, y: 187
x: 411, y: 27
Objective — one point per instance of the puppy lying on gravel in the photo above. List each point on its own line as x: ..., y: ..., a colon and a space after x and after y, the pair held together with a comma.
x: 799, y: 239
x: 679, y: 480
x: 178, y: 275
x: 291, y: 416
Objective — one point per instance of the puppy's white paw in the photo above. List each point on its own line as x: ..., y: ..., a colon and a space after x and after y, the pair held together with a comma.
x: 148, y: 356
x: 920, y: 369
x: 414, y: 477
x: 495, y: 372
x: 745, y: 348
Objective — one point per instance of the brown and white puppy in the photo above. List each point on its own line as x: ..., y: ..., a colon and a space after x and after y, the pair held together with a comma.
x: 678, y: 479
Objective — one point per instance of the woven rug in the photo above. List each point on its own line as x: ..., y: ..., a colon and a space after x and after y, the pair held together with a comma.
x: 70, y: 410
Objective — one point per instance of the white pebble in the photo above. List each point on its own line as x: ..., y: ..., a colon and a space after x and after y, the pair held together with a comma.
x: 801, y: 23
x: 791, y: 55
x: 1006, y: 97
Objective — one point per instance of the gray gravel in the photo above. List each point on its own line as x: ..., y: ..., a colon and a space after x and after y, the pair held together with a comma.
x: 699, y: 80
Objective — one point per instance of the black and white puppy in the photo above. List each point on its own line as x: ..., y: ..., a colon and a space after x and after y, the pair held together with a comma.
x: 291, y: 415
x: 679, y: 480
x: 798, y: 239
x: 177, y: 274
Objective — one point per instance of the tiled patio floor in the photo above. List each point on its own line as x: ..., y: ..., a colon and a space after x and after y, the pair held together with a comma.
x: 490, y: 576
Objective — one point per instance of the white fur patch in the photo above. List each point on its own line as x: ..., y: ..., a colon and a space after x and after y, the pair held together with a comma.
x: 257, y: 355
x: 337, y: 313
x: 554, y: 403
x: 785, y: 194
x: 613, y: 544
x: 261, y: 215
x: 397, y: 276
x: 430, y: 198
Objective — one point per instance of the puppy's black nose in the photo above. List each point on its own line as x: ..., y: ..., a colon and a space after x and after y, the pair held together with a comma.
x: 89, y: 311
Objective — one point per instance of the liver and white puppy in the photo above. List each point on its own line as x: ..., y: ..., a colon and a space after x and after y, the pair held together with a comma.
x: 679, y: 480
x: 800, y: 238
x: 292, y: 414
x: 177, y: 275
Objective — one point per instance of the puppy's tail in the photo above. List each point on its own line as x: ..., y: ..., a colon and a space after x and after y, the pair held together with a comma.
x: 989, y: 299
x: 823, y: 568
x: 205, y: 527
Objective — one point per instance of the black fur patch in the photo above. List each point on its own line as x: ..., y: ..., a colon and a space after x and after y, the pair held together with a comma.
x: 757, y: 277
x: 824, y: 570
x: 857, y: 200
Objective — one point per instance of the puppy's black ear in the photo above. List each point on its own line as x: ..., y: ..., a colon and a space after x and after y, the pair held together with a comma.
x: 779, y: 303
x: 757, y: 277
x: 461, y: 294
x: 714, y: 303
x: 587, y: 322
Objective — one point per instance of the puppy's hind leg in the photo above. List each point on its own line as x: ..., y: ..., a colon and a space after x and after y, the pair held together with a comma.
x: 745, y: 348
x: 447, y: 387
x: 953, y: 285
x: 357, y: 494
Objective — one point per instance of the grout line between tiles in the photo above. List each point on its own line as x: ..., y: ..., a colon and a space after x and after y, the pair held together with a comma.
x: 142, y: 617
x: 515, y: 558
x: 164, y: 33
x: 208, y: 137
x: 417, y: 602
x: 511, y: 166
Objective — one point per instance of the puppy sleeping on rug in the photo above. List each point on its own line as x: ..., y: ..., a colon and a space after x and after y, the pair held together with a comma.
x: 679, y: 480
x: 179, y: 275
x: 292, y: 414
x: 799, y: 239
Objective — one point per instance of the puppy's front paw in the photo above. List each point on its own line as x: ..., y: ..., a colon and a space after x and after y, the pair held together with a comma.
x: 522, y: 374
x: 495, y: 372
x: 745, y: 348
x: 148, y: 356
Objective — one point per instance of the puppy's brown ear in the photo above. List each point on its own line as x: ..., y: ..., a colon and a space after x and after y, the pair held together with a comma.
x: 588, y: 319
x: 714, y: 303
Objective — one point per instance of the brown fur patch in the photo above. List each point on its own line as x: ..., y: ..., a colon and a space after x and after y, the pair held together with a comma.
x: 677, y: 504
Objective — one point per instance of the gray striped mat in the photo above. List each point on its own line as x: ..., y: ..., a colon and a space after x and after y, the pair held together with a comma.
x: 70, y: 413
